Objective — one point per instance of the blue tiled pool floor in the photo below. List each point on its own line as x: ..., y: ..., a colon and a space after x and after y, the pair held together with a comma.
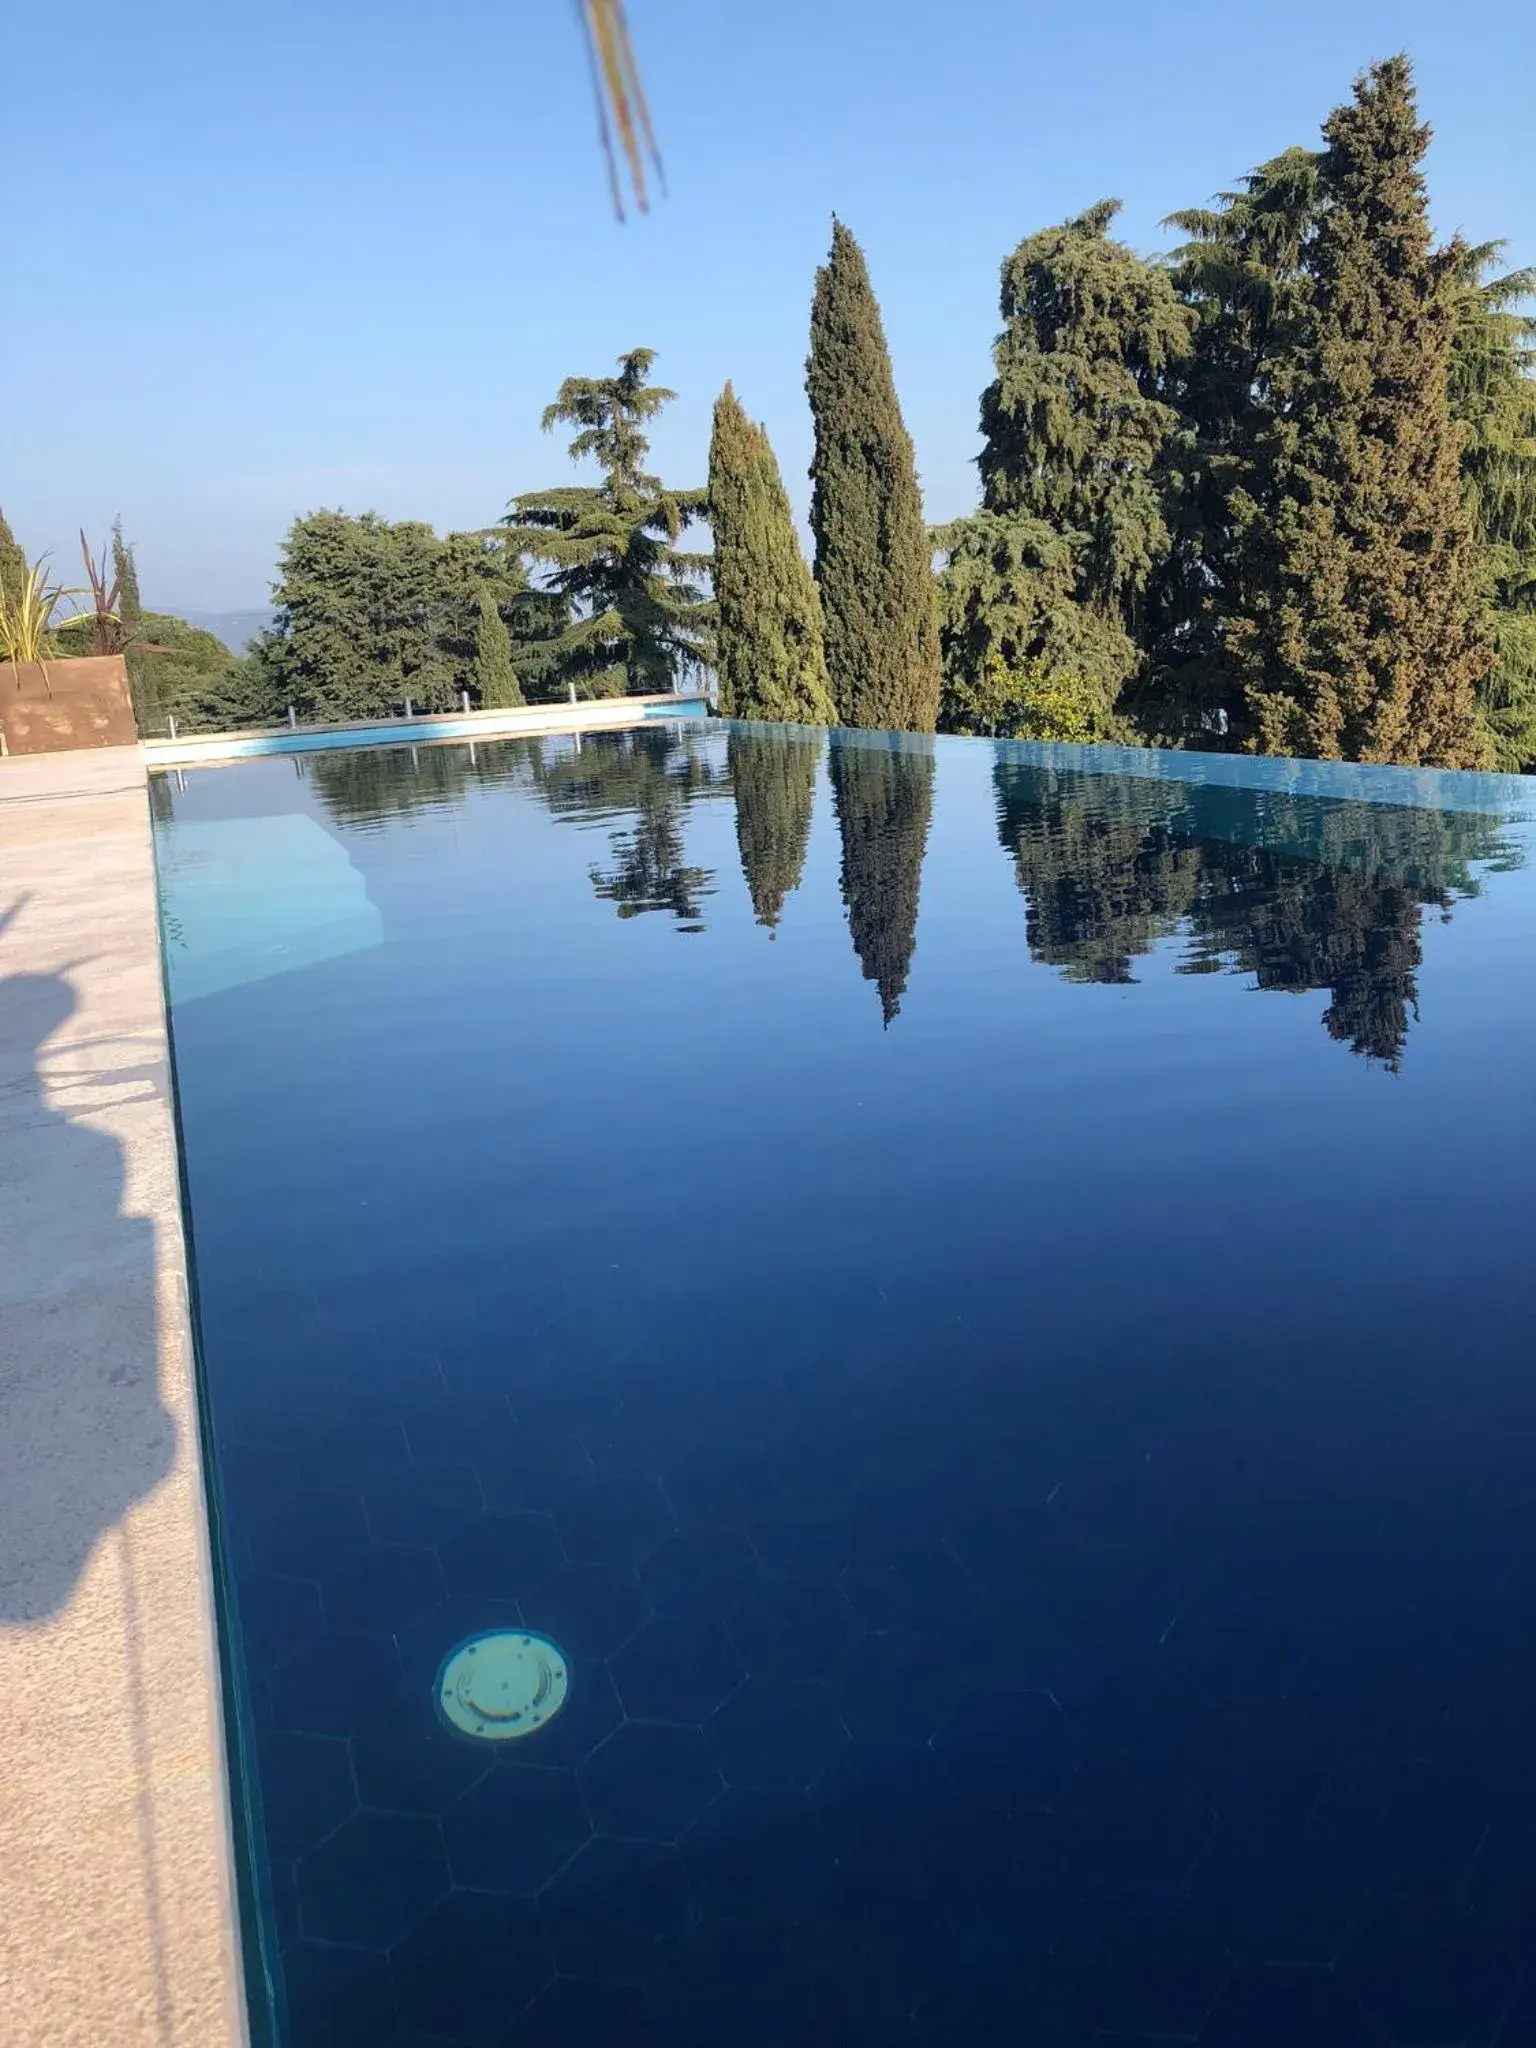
x: 1031, y: 1468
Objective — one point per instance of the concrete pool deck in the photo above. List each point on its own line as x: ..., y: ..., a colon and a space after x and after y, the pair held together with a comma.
x: 117, y: 1917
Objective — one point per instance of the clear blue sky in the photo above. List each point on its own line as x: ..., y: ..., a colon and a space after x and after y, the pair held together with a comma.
x: 311, y: 252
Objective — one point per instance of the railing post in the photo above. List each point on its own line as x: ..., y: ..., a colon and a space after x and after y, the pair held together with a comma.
x: 408, y: 711
x: 293, y: 719
x: 171, y: 722
x: 571, y: 686
x: 464, y: 700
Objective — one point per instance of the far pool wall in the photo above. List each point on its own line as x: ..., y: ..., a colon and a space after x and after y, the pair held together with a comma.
x: 596, y: 714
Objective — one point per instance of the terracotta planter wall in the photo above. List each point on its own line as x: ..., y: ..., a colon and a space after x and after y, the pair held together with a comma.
x: 75, y: 703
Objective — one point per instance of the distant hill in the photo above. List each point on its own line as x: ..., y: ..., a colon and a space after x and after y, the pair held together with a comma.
x: 235, y: 629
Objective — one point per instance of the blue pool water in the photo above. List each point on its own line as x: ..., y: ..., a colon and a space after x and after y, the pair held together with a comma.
x: 977, y: 1299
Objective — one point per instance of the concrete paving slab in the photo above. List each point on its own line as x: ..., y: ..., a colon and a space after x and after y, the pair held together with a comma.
x: 117, y: 1920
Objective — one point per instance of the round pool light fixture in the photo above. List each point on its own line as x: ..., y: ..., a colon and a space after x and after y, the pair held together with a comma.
x: 502, y: 1685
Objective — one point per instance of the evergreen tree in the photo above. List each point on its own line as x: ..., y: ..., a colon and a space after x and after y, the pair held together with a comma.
x: 769, y: 655
x: 189, y: 674
x: 13, y: 563
x: 1045, y: 584
x: 636, y: 618
x: 1242, y: 276
x: 1015, y: 636
x: 149, y: 708
x: 370, y: 612
x: 495, y: 681
x: 1493, y: 395
x: 1363, y: 636
x: 884, y: 798
x: 874, y: 561
x: 774, y: 777
x: 125, y: 574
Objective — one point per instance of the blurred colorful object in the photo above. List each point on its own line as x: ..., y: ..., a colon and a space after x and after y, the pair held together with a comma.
x: 620, y: 101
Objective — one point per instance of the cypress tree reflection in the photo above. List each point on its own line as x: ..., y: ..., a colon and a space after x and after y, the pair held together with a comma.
x: 883, y: 791
x: 773, y: 773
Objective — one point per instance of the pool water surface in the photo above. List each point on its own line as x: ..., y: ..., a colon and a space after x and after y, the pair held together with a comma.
x: 951, y: 1321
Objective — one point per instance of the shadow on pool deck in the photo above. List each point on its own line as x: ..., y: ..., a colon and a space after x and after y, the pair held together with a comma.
x: 83, y: 1432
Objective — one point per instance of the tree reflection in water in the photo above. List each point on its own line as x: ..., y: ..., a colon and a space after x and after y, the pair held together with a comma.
x: 1301, y: 892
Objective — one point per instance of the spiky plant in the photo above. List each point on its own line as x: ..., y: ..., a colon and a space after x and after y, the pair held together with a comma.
x: 28, y: 617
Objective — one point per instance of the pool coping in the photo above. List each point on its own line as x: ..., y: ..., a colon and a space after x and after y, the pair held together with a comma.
x: 594, y: 714
x: 115, y: 1828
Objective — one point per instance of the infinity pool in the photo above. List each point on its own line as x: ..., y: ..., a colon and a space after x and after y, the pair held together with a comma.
x: 865, y: 1392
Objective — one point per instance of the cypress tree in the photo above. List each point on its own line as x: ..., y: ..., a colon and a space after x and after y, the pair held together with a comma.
x: 884, y: 798
x: 125, y: 574
x: 143, y: 682
x: 769, y: 655
x: 495, y: 679
x: 1364, y: 636
x: 774, y: 777
x: 1044, y: 586
x: 874, y: 560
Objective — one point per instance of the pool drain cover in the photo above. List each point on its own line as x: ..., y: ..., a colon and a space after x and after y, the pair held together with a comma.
x: 500, y: 1686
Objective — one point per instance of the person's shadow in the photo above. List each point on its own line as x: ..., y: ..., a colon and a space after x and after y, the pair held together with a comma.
x: 83, y: 1434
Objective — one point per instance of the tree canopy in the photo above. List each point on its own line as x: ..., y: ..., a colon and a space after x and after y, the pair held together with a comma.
x: 636, y: 617
x: 874, y: 561
x: 1493, y: 395
x: 1318, y: 509
x: 1362, y: 634
x: 770, y: 660
x: 1044, y: 585
x: 372, y: 611
x: 13, y: 560
x: 495, y: 681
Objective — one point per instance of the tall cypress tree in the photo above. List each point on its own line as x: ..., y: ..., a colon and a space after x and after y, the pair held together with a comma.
x: 769, y: 655
x: 1045, y: 584
x: 495, y: 679
x: 874, y: 560
x: 143, y: 683
x: 125, y: 573
x: 1364, y: 637
x: 884, y: 798
x: 774, y: 777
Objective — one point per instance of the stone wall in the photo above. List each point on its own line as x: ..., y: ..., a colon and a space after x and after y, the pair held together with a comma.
x: 53, y: 707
